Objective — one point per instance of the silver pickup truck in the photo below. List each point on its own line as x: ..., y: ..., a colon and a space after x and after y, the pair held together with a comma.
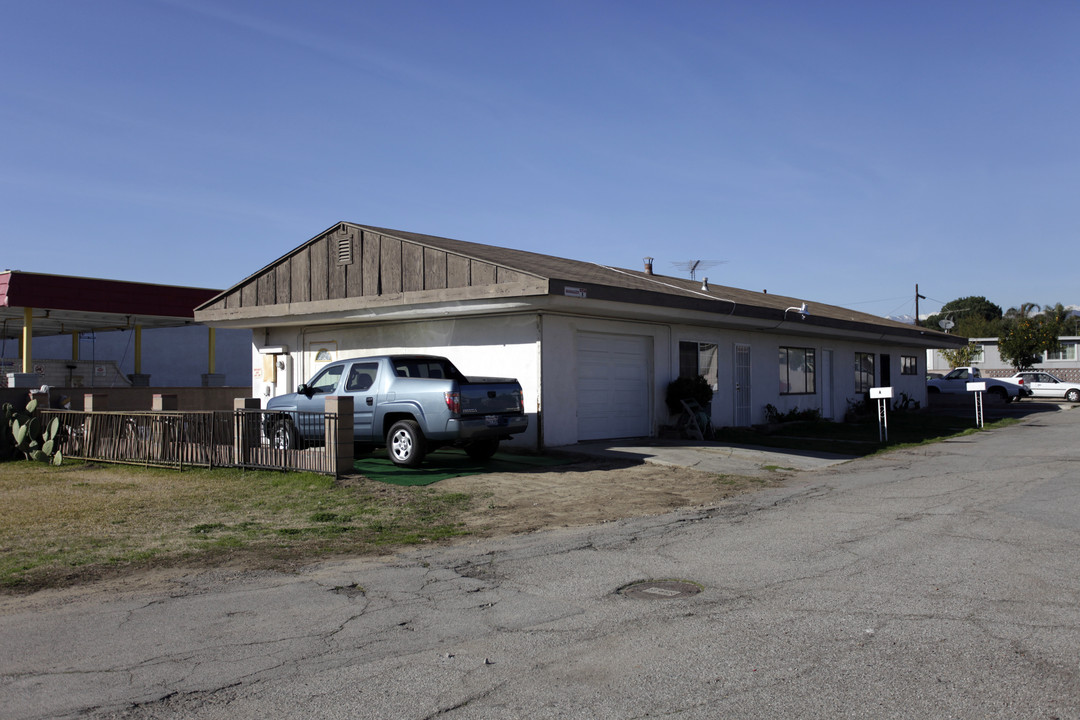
x: 412, y: 404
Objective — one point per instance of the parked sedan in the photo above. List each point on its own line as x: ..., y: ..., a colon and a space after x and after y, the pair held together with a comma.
x: 1043, y: 384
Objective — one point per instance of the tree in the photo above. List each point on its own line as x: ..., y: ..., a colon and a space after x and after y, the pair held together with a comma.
x: 1026, y: 335
x: 974, y: 316
x: 960, y: 357
x: 1025, y: 310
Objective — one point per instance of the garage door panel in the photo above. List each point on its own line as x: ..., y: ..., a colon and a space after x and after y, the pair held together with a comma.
x: 613, y: 385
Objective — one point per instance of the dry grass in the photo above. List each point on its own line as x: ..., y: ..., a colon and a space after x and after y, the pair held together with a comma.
x: 59, y: 525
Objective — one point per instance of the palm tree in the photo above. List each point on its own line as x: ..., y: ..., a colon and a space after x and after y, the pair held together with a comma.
x: 1024, y: 311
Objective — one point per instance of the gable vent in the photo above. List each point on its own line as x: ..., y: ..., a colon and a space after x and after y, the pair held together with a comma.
x: 344, y: 250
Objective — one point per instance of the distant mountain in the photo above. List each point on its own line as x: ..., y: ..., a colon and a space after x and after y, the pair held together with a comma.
x: 1074, y: 311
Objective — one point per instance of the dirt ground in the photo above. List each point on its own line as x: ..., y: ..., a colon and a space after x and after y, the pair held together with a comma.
x: 592, y: 492
x: 583, y: 493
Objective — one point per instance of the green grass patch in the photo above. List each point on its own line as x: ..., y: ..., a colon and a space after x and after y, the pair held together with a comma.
x: 448, y: 463
x: 64, y: 524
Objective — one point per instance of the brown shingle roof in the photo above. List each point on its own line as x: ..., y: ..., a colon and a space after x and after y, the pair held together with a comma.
x: 587, y: 273
x: 562, y: 276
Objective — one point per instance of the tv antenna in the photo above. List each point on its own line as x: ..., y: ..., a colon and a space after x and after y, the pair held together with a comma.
x: 692, y: 266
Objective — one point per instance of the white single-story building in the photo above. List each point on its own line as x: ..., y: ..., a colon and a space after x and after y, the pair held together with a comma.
x: 593, y: 346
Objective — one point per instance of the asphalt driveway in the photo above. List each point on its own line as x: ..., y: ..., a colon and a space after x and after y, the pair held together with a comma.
x: 941, y: 581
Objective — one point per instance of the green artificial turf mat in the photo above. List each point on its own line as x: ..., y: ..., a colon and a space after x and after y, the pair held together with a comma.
x: 448, y: 463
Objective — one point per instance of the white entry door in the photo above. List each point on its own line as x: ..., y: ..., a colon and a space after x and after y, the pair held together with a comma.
x: 742, y: 386
x: 614, y: 375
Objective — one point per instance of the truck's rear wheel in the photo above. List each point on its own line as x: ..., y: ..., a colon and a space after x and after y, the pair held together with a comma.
x: 1001, y: 393
x: 481, y: 449
x: 405, y: 443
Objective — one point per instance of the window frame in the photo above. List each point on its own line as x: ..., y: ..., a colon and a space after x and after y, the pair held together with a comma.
x: 699, y: 350
x: 909, y: 365
x: 809, y: 372
x: 861, y: 371
x: 1062, y: 355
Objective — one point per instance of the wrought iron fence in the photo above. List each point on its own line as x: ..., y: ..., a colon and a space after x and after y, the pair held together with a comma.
x: 241, y: 438
x: 286, y: 440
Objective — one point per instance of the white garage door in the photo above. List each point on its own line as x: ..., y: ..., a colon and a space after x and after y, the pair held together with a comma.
x: 613, y: 382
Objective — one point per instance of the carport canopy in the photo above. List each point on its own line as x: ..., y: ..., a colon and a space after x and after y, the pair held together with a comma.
x: 36, y: 305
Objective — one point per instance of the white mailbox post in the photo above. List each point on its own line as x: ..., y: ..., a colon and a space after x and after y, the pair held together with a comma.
x: 978, y: 388
x: 882, y: 395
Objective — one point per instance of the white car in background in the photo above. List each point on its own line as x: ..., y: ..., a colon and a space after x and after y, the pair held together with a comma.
x: 1043, y: 384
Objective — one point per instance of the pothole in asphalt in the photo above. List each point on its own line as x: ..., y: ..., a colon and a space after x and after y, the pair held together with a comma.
x: 659, y: 589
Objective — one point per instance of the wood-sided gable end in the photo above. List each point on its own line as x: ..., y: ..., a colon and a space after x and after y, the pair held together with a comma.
x: 349, y: 262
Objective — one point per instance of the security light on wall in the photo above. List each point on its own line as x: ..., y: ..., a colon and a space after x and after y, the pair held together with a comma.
x: 802, y: 310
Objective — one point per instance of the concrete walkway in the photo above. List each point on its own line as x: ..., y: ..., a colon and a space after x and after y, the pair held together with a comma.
x: 712, y: 457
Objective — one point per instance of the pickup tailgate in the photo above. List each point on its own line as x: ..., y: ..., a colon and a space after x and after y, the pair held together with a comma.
x: 490, y: 396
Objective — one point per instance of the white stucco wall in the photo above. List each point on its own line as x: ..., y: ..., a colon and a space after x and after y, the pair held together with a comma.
x: 765, y: 381
x: 499, y: 346
x: 560, y: 400
x: 511, y: 346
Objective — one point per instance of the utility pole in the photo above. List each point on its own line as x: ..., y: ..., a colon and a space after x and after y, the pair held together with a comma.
x: 917, y: 297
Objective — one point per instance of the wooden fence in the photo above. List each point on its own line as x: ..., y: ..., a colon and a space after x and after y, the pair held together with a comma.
x: 244, y: 437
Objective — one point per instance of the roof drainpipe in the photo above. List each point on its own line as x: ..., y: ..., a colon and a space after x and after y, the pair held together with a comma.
x: 648, y: 266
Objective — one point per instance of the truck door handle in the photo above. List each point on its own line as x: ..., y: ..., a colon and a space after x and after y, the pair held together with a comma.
x: 370, y: 401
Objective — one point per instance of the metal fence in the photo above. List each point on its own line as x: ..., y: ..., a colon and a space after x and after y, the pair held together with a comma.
x: 287, y: 441
x: 241, y: 438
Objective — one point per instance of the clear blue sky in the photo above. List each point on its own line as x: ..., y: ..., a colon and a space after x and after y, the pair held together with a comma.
x: 839, y: 152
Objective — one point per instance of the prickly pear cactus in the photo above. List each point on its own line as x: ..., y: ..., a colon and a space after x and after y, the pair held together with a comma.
x: 30, y: 435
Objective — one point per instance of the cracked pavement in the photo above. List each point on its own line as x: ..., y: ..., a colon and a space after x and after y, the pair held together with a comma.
x: 940, y: 581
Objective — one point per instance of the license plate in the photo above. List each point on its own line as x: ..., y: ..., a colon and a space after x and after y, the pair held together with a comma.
x: 494, y: 420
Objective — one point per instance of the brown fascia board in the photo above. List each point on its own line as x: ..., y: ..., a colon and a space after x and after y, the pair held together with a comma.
x: 302, y: 310
x: 722, y: 307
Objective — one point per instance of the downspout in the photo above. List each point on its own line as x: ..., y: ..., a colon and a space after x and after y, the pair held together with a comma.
x: 540, y: 382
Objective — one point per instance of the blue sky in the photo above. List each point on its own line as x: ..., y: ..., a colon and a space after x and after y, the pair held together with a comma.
x: 839, y: 152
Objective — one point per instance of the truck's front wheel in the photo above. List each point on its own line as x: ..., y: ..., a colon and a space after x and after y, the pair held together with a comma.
x: 405, y: 443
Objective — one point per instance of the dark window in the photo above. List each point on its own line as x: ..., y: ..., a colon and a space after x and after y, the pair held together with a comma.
x: 421, y: 367
x: 797, y: 371
x: 909, y: 365
x: 864, y: 372
x: 361, y: 377
x: 699, y: 359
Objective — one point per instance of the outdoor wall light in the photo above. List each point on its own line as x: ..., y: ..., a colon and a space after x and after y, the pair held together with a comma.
x: 802, y: 310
